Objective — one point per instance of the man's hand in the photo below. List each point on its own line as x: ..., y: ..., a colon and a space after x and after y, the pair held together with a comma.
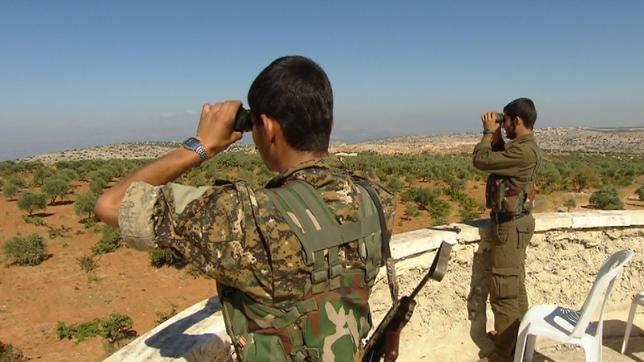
x: 215, y: 130
x: 489, y: 121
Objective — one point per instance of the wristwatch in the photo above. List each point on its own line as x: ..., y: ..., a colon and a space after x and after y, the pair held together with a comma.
x: 194, y: 144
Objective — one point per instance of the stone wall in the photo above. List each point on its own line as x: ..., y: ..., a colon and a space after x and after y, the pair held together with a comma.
x: 451, y: 317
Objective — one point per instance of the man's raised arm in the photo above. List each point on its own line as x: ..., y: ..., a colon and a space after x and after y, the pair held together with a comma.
x: 215, y: 134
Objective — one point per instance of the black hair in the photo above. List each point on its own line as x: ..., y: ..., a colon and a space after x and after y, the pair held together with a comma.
x: 296, y: 91
x: 524, y: 108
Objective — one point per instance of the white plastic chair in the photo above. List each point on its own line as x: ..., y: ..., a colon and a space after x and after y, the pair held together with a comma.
x: 571, y: 326
x: 637, y: 299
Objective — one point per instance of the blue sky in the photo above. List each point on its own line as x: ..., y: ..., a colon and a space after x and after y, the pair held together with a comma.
x: 81, y: 73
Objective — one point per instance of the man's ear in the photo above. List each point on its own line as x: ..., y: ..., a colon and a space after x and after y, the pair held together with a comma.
x: 271, y: 126
x: 518, y: 121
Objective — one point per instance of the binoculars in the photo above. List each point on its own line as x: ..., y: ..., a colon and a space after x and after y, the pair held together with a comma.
x: 242, y: 121
x: 498, y: 117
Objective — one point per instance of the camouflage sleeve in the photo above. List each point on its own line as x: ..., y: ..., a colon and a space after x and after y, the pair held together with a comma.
x: 214, y: 229
x: 135, y: 215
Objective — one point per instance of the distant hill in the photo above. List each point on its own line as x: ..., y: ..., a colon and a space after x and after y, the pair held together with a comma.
x: 617, y: 140
x: 614, y: 140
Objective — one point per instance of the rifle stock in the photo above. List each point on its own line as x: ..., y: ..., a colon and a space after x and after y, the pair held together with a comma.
x: 385, y: 340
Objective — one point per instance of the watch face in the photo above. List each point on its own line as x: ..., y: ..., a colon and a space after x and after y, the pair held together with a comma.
x: 191, y: 143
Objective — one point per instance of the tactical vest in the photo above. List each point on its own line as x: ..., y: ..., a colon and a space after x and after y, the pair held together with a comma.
x: 501, y: 197
x: 334, y: 316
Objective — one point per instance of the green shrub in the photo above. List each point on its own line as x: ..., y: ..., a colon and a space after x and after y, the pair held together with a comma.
x: 31, y: 201
x: 165, y: 256
x: 17, y: 180
x: 423, y: 196
x: 68, y: 174
x: 41, y: 175
x: 640, y: 193
x: 54, y: 232
x: 439, y: 210
x: 98, y: 181
x: 164, y: 316
x: 87, y: 263
x: 28, y: 250
x: 109, y: 242
x: 411, y: 210
x: 56, y: 187
x: 470, y: 209
x: 80, y: 331
x: 84, y: 205
x: 395, y: 184
x: 113, y: 328
x: 10, y: 190
x: 570, y: 203
x: 34, y: 220
x: 606, y: 198
x: 9, y: 353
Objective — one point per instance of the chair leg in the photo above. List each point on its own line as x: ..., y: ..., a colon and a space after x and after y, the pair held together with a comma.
x: 629, y: 324
x: 529, y: 347
x: 519, y: 350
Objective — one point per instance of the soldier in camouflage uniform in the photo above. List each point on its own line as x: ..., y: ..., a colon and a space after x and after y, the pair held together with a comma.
x: 294, y: 261
x: 510, y: 195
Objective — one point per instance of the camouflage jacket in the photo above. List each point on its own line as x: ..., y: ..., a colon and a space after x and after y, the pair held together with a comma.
x: 234, y: 233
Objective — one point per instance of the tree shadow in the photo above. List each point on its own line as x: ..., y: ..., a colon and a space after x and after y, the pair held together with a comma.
x: 61, y: 202
x: 171, y: 341
x: 41, y: 214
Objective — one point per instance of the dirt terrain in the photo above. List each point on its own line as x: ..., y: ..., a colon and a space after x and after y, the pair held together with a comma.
x: 34, y: 298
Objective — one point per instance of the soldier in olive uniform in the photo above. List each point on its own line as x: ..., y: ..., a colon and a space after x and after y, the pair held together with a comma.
x: 294, y: 261
x: 510, y: 193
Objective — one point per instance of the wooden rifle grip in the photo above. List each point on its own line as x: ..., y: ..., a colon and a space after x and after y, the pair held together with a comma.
x: 391, y: 345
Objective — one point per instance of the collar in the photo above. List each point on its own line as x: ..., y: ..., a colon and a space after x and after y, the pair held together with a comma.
x: 326, y: 162
x: 523, y: 138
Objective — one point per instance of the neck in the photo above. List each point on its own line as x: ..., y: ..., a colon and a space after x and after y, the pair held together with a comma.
x: 522, y: 131
x: 293, y: 158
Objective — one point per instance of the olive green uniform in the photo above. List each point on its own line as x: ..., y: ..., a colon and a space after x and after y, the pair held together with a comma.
x: 280, y: 302
x: 515, y: 162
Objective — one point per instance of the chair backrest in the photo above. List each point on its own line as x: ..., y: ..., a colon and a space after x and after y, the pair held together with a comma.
x: 602, y: 287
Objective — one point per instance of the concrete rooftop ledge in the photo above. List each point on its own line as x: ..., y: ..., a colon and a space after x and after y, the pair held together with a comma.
x: 198, y: 333
x: 414, y: 242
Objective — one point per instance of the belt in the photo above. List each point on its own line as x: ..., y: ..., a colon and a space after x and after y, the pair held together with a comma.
x: 501, y: 217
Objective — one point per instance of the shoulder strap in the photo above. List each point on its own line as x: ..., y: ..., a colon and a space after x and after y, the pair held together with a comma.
x: 386, y: 237
x: 311, y: 220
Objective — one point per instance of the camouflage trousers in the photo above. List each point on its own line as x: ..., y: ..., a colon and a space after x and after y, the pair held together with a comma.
x: 508, y: 295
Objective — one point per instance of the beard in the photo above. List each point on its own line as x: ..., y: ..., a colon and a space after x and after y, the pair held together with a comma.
x: 510, y: 133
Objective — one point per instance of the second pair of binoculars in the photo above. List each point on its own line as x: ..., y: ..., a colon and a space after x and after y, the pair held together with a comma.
x: 242, y: 121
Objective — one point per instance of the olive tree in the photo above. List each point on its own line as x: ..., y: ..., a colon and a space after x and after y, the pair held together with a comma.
x: 30, y: 201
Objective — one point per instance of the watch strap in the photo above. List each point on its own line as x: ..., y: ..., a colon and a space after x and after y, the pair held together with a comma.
x: 194, y: 144
x: 201, y: 151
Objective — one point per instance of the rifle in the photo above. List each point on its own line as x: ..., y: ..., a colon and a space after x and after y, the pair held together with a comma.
x: 385, y: 339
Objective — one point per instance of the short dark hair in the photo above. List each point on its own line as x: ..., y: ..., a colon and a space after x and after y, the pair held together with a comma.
x: 296, y: 91
x: 524, y: 108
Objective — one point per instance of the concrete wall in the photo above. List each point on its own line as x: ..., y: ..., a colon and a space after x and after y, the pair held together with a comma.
x: 563, y: 257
